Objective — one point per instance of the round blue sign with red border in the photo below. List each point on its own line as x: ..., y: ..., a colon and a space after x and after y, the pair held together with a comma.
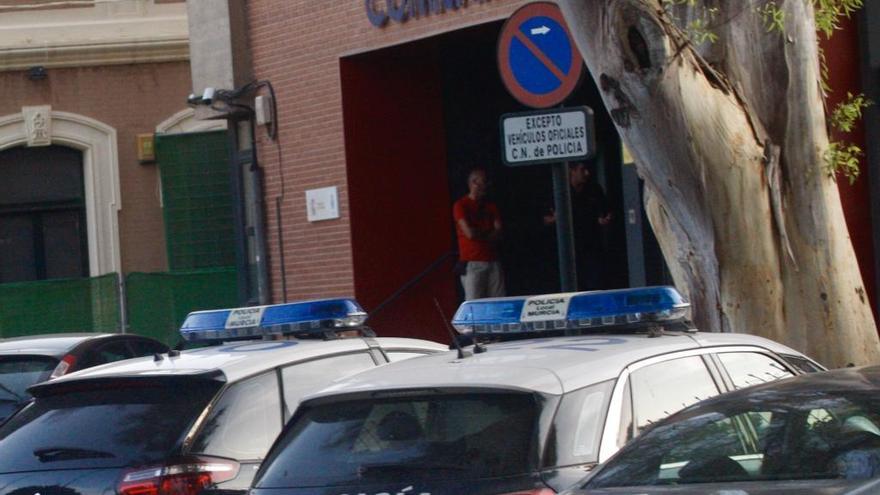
x: 537, y: 58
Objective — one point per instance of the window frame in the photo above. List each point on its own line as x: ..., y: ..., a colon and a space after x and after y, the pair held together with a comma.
x: 728, y: 379
x: 610, y: 434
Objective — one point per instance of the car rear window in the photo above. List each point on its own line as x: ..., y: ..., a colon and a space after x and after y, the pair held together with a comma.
x: 468, y: 436
x: 17, y: 373
x: 116, y: 424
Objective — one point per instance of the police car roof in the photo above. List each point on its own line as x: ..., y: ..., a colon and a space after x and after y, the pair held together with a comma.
x: 553, y: 366
x: 241, y: 359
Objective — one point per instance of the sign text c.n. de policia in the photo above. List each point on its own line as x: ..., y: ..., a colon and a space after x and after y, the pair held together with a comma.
x: 379, y: 12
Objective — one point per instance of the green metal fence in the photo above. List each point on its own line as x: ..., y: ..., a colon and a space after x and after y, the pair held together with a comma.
x: 156, y: 303
x: 197, y: 196
x: 53, y: 306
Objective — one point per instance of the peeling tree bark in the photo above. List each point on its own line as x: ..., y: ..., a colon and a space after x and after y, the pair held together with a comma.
x: 729, y: 138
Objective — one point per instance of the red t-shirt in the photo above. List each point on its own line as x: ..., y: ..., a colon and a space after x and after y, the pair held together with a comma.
x: 481, y: 216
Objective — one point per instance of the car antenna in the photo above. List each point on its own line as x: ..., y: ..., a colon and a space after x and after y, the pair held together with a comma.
x: 455, y: 342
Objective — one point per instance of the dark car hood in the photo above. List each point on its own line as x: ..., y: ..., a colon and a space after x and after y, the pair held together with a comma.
x: 61, y: 482
x: 808, y: 487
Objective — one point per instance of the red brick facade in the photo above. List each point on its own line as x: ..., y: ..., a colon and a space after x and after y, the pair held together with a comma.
x: 297, y: 46
x: 133, y: 99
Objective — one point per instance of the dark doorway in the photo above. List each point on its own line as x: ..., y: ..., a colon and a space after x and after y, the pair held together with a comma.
x: 418, y: 117
x: 42, y: 214
x: 474, y: 98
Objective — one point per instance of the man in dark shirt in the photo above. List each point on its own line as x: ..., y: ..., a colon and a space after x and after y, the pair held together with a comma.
x: 478, y: 226
x: 590, y: 213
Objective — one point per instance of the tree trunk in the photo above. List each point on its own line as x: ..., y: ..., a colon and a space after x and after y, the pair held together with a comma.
x: 729, y: 138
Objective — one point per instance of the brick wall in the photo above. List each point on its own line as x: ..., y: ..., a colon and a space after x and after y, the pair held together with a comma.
x: 132, y: 99
x: 297, y: 45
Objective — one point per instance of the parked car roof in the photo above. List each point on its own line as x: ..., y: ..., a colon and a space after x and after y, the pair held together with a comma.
x: 554, y: 366
x: 240, y: 359
x: 56, y: 344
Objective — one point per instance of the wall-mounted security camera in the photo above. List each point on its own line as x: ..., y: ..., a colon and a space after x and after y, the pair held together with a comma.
x: 193, y: 99
x: 208, y: 96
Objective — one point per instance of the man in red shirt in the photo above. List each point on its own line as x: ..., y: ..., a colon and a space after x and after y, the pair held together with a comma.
x: 478, y: 225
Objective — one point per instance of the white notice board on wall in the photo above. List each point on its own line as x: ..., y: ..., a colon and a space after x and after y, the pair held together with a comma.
x: 322, y: 204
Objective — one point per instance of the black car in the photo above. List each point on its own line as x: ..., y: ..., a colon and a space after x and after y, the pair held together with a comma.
x: 813, y: 434
x: 177, y: 422
x: 25, y: 361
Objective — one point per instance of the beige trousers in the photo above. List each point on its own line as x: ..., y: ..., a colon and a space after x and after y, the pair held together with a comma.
x: 483, y: 279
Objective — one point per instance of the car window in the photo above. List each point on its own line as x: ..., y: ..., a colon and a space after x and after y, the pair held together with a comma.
x: 661, y: 389
x: 802, y: 364
x: 118, y: 424
x: 812, y: 435
x: 467, y: 436
x: 245, y: 420
x: 301, y: 379
x: 105, y: 353
x: 751, y: 368
x: 17, y: 373
x: 141, y: 347
x: 577, y: 427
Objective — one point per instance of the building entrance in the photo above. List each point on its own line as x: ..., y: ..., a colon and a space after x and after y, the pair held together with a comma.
x: 473, y: 100
x: 418, y: 118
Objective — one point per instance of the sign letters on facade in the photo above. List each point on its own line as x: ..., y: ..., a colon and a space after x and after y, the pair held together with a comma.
x: 379, y: 12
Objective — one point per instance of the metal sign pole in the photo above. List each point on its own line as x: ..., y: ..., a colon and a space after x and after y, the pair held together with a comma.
x: 536, y: 35
x: 564, y: 230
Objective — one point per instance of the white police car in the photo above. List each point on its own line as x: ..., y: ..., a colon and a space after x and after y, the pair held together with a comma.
x: 515, y: 416
x: 177, y: 422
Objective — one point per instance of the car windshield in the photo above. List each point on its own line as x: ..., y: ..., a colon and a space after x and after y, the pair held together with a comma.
x: 467, y: 435
x: 106, y: 425
x: 767, y: 436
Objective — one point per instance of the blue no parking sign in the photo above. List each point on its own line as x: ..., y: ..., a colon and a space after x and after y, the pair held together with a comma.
x: 537, y: 58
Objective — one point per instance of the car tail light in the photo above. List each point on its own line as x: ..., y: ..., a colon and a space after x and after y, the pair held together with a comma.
x: 187, y: 476
x: 64, y: 365
x: 536, y: 491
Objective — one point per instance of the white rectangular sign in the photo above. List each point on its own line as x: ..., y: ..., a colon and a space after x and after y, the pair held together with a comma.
x: 547, y: 136
x: 545, y: 308
x: 245, y: 317
x: 322, y: 204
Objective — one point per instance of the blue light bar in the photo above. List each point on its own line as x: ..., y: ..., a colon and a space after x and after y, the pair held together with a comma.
x: 576, y: 310
x: 315, y: 317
